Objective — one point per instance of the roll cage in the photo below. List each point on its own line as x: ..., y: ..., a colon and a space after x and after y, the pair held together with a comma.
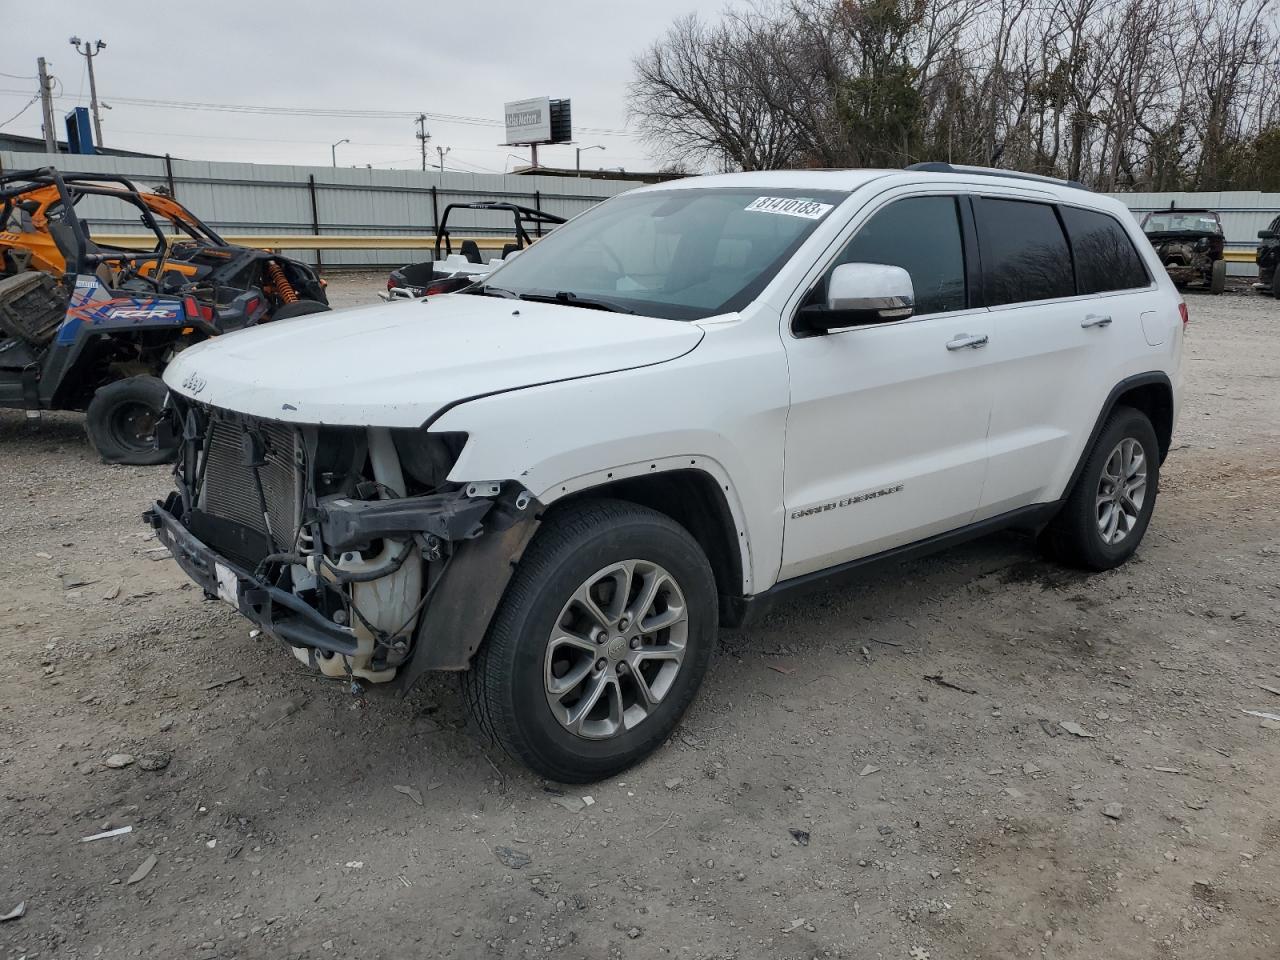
x: 523, y: 217
x: 50, y: 198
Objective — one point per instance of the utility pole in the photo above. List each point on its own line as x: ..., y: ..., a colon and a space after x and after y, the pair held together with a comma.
x: 46, y: 107
x: 443, y: 152
x: 423, y: 137
x: 90, y: 51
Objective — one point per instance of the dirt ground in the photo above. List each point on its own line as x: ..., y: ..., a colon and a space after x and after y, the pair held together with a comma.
x: 823, y: 798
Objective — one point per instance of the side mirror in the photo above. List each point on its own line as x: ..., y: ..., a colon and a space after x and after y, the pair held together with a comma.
x: 862, y: 293
x: 1266, y: 234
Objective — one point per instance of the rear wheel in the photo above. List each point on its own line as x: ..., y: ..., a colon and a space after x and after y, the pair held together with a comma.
x: 1218, y: 279
x: 600, y: 643
x: 299, y: 308
x: 1107, y: 512
x: 123, y: 419
x: 1275, y: 282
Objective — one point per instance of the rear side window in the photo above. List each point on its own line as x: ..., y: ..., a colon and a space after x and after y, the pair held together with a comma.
x: 1105, y: 257
x: 1024, y: 252
x: 921, y: 235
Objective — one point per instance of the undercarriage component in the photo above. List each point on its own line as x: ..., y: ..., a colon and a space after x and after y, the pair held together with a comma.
x: 353, y: 523
x: 32, y: 307
x: 280, y: 283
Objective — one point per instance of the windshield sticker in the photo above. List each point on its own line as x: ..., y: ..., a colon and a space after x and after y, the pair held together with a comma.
x: 789, y: 207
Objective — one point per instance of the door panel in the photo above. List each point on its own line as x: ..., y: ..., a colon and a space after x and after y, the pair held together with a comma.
x: 886, y: 439
x: 1053, y: 362
x: 886, y: 436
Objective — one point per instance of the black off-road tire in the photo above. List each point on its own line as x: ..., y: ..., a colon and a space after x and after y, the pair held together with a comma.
x: 1074, y: 537
x: 299, y: 308
x: 504, y: 688
x: 1275, y: 283
x: 122, y: 418
x: 1218, y: 277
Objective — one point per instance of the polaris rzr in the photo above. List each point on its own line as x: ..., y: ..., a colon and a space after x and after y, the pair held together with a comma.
x: 84, y: 326
x: 453, y: 271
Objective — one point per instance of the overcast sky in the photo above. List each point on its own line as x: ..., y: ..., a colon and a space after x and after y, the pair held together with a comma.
x: 459, y: 58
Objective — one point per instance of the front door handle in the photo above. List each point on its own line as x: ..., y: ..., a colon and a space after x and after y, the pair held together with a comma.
x: 971, y: 340
x: 1095, y: 320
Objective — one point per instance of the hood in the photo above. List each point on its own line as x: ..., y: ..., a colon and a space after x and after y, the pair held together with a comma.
x: 398, y: 364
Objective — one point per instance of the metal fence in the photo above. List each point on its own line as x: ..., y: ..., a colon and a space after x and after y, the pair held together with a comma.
x: 240, y: 198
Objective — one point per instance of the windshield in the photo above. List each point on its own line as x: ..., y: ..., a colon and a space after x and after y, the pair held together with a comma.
x: 1182, y: 223
x: 679, y: 254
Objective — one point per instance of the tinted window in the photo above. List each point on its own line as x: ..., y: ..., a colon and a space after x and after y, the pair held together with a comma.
x: 1024, y: 252
x: 921, y: 235
x: 1105, y: 257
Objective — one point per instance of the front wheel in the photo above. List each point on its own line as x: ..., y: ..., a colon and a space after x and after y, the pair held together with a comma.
x: 600, y: 643
x: 1107, y: 512
x: 1218, y: 279
x: 123, y: 420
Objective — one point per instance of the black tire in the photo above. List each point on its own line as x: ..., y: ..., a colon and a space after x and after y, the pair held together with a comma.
x: 122, y: 419
x: 504, y: 688
x: 1218, y: 278
x: 1074, y: 536
x: 1275, y: 282
x: 299, y: 308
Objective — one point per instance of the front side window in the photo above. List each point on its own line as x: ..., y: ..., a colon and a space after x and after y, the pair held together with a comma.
x: 680, y: 254
x: 1105, y: 256
x: 1025, y: 256
x: 921, y: 235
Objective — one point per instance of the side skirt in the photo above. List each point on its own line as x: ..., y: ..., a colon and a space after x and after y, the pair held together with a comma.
x: 1032, y: 518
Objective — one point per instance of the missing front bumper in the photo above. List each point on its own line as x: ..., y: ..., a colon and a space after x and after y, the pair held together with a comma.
x: 278, y: 612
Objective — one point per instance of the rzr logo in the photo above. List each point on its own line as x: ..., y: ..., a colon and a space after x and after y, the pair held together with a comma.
x: 193, y: 384
x: 146, y: 313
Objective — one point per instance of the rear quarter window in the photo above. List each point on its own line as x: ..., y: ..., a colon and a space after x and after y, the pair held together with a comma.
x: 1106, y: 259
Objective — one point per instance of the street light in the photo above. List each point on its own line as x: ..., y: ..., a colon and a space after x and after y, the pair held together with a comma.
x: 578, y: 158
x: 333, y: 150
x: 89, y: 51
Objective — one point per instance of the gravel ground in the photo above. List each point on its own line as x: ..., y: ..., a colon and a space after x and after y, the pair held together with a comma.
x: 823, y: 798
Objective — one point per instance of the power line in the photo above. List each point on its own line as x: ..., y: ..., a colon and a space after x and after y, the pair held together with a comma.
x: 343, y: 113
x: 22, y: 111
x: 14, y: 76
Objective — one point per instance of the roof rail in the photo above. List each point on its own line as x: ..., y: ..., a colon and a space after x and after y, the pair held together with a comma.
x: 937, y: 166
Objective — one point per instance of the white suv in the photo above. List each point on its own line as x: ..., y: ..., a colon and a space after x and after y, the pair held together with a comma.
x: 692, y: 400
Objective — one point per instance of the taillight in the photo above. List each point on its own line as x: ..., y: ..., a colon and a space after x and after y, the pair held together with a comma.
x: 1186, y: 316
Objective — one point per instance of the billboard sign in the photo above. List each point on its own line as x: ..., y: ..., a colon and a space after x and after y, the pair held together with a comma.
x: 528, y: 121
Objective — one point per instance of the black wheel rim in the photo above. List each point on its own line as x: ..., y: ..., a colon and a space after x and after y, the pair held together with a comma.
x: 133, y: 425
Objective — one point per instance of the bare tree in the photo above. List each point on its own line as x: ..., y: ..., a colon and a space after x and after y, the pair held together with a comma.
x: 1160, y: 94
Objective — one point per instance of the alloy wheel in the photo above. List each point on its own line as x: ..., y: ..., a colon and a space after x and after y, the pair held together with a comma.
x: 616, y: 649
x: 1122, y: 488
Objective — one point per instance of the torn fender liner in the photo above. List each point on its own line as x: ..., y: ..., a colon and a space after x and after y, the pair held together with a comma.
x: 455, y: 622
x: 347, y: 523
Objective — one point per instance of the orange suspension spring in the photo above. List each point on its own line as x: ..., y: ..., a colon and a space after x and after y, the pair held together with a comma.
x: 284, y: 289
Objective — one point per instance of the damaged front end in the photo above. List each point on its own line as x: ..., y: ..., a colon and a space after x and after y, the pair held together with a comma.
x: 347, y: 544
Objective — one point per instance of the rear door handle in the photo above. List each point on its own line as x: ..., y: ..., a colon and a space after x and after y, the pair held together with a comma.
x: 971, y: 340
x: 1095, y: 320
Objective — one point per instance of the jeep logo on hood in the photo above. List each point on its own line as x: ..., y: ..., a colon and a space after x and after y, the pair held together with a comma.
x: 193, y: 383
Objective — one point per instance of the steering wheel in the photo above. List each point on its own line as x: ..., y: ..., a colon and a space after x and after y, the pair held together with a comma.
x: 617, y: 260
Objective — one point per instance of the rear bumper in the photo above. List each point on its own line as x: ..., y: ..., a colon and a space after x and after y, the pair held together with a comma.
x: 278, y: 612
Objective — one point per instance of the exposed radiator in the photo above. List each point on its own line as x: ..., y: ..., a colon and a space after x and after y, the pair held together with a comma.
x: 230, y: 493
